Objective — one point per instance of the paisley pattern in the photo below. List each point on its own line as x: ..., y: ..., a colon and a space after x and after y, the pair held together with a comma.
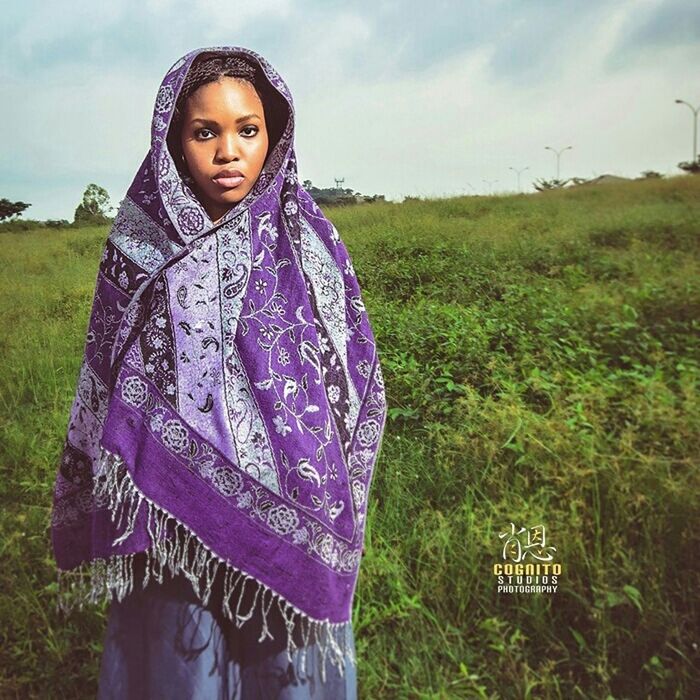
x: 327, y: 283
x: 231, y: 373
x: 243, y: 491
x: 139, y: 237
x: 156, y: 344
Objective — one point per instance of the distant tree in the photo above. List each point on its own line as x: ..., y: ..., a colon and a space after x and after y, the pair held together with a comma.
x: 95, y: 207
x: 552, y: 184
x: 9, y: 209
x: 692, y: 168
x: 650, y: 174
x: 336, y: 196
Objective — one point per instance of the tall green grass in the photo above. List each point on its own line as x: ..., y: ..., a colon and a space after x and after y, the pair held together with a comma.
x: 541, y: 356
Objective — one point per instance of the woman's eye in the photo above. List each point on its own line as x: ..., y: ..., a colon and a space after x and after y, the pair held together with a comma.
x: 199, y: 132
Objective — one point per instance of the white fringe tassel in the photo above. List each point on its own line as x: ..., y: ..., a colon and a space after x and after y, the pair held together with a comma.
x: 101, y: 579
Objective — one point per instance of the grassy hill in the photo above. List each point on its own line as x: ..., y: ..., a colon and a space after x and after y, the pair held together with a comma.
x: 541, y: 357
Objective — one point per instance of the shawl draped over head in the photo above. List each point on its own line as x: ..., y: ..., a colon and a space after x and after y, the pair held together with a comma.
x: 230, y: 404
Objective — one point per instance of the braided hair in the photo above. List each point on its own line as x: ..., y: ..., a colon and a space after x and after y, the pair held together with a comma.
x: 206, y: 70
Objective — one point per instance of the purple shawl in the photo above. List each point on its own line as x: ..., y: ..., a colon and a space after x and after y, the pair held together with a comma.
x: 230, y: 404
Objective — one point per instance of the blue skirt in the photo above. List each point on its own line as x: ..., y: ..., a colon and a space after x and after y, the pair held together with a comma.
x: 162, y: 643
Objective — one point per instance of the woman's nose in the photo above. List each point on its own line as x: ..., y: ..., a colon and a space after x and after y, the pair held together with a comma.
x: 228, y: 147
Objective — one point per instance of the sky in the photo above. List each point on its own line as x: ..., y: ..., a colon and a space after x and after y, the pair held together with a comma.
x: 429, y: 99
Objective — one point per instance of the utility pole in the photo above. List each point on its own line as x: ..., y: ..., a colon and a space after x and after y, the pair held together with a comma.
x: 338, y: 183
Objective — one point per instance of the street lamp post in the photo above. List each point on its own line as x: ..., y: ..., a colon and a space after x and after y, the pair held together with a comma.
x: 490, y: 183
x: 558, y: 155
x: 518, y: 173
x: 696, y: 155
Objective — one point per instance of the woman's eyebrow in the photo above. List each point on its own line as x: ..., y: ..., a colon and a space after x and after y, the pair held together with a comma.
x: 212, y: 122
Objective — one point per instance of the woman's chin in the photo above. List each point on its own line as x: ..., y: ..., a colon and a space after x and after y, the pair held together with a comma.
x: 230, y: 196
x: 217, y: 206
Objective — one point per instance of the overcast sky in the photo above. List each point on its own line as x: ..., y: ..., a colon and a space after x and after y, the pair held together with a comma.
x: 429, y: 98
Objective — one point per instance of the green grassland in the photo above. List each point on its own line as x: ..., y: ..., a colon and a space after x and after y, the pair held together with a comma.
x: 541, y: 356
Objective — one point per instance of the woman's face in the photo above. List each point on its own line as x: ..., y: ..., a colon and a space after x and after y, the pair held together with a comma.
x: 223, y: 128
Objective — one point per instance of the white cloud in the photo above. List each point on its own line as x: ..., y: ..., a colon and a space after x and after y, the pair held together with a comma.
x: 434, y: 132
x: 78, y: 91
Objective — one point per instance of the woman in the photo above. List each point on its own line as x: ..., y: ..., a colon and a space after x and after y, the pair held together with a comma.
x: 229, y: 413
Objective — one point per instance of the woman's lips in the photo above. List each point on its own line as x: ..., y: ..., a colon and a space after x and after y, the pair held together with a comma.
x: 229, y: 181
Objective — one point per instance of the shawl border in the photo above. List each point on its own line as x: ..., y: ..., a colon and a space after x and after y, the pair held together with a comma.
x: 100, y: 580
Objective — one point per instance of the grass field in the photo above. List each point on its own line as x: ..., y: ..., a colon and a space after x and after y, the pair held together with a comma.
x: 541, y: 356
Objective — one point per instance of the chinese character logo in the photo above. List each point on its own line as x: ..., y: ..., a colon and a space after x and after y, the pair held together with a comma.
x: 519, y: 543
